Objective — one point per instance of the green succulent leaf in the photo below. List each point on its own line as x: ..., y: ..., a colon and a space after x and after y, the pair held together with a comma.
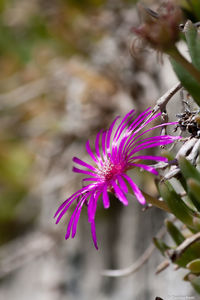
x: 194, y: 188
x: 188, y: 170
x: 193, y: 42
x: 189, y: 83
x: 175, y: 233
x: 160, y: 245
x: 194, y: 266
x: 194, y: 280
x: 176, y: 204
x: 196, y: 283
x: 192, y: 179
x: 194, y: 7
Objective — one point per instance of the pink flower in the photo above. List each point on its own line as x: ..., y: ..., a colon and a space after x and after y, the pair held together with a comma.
x: 116, y: 151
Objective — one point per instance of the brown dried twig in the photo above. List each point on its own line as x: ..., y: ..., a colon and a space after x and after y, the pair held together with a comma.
x: 162, y: 101
x: 178, y: 252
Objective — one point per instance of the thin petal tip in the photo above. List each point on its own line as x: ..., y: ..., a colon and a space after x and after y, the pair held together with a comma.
x: 143, y: 202
x: 165, y: 159
x: 67, y: 236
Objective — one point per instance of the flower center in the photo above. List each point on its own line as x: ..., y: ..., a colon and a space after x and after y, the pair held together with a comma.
x: 109, y: 170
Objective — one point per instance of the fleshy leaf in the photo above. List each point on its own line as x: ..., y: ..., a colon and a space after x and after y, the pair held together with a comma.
x: 194, y: 192
x: 160, y: 245
x: 192, y: 177
x: 193, y: 7
x: 176, y: 204
x: 194, y: 188
x: 174, y: 232
x: 194, y: 266
x: 196, y: 284
x: 189, y: 83
x: 188, y: 170
x: 193, y: 42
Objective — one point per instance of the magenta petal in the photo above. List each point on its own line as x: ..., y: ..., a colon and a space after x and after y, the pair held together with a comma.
x: 122, y: 126
x: 91, y: 179
x: 74, y: 196
x: 158, y: 126
x: 150, y: 145
x: 62, y: 206
x: 135, y: 189
x: 110, y: 133
x: 133, y: 144
x: 130, y: 142
x: 119, y: 194
x: 153, y: 141
x: 71, y: 221
x: 76, y: 219
x: 105, y: 197
x: 97, y: 146
x: 139, y: 120
x: 148, y: 121
x: 122, y: 184
x: 84, y: 164
x: 150, y: 157
x: 90, y: 152
x: 92, y: 206
x: 76, y: 170
x: 146, y: 167
x: 130, y: 134
x: 122, y: 146
x: 121, y: 123
x: 64, y: 210
x: 93, y: 231
x: 104, y: 143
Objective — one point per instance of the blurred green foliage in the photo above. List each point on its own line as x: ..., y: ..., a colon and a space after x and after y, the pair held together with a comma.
x: 53, y: 23
x: 191, y: 9
x: 15, y: 164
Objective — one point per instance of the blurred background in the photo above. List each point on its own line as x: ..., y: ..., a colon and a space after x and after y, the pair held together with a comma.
x: 66, y: 72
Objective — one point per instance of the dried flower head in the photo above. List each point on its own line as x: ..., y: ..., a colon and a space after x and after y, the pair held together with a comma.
x: 116, y: 151
x: 160, y: 30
